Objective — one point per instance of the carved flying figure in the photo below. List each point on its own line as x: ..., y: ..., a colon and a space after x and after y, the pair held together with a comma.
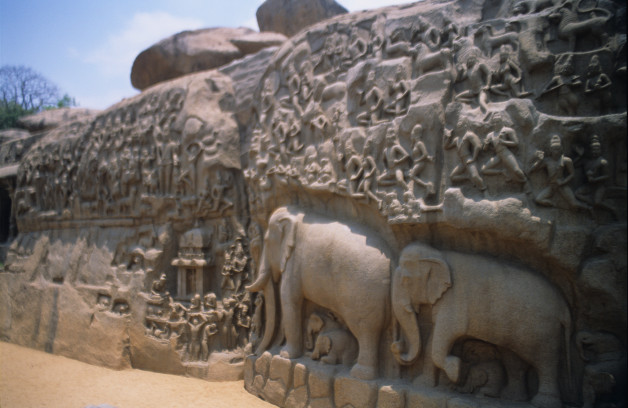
x: 501, y: 142
x: 560, y: 172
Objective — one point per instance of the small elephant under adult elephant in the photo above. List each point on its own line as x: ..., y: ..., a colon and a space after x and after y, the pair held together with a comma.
x: 478, y: 297
x: 335, y: 346
x: 342, y: 267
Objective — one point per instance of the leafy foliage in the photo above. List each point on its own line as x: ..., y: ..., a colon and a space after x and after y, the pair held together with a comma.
x: 24, y: 91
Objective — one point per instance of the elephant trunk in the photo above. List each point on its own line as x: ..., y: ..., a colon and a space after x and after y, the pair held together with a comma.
x: 406, y: 316
x: 265, y: 284
x: 263, y: 276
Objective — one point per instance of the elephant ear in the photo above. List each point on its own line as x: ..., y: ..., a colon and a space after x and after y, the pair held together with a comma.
x: 288, y: 226
x: 438, y: 279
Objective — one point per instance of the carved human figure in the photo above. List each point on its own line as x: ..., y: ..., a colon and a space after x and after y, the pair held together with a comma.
x: 243, y: 322
x: 564, y: 81
x: 372, y: 97
x: 468, y: 148
x: 598, y: 85
x: 229, y: 334
x: 395, y: 157
x: 369, y: 173
x: 209, y: 331
x: 478, y: 77
x: 420, y: 157
x: 560, y: 172
x: 597, y: 172
x: 195, y: 325
x: 167, y: 151
x: 357, y: 47
x: 501, y: 142
x: 398, y: 93
x: 158, y: 288
x: 506, y: 81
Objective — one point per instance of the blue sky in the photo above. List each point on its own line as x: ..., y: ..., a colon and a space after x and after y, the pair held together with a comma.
x: 87, y: 47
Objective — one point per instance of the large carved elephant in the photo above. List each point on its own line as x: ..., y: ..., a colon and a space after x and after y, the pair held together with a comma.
x: 342, y: 267
x: 477, y: 297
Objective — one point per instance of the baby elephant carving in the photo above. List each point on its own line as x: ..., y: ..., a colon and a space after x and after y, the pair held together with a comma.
x: 335, y: 346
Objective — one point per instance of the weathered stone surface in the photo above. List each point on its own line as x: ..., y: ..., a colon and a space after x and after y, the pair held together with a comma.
x: 320, y: 383
x: 291, y: 16
x: 354, y: 392
x: 320, y: 403
x: 297, y: 398
x: 49, y: 119
x: 299, y: 375
x: 185, y: 53
x: 391, y: 397
x: 441, y: 165
x: 255, y: 42
x: 249, y: 371
x: 262, y: 364
x: 281, y: 370
x: 275, y: 392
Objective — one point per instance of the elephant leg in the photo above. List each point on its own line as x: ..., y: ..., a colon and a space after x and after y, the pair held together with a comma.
x: 366, y: 367
x: 291, y: 305
x: 442, y: 341
x: 516, y: 376
x: 429, y: 372
x: 548, y: 395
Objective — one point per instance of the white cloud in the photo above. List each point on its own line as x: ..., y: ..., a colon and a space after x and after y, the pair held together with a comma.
x: 116, y: 55
x: 358, y: 5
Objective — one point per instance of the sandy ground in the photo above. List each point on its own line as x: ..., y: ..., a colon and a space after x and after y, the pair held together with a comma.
x: 34, y: 379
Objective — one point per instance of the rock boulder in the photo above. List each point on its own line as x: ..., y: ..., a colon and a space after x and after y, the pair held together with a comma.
x: 291, y: 16
x: 185, y: 53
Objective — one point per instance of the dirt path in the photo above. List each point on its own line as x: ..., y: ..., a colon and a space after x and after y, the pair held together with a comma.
x: 34, y: 379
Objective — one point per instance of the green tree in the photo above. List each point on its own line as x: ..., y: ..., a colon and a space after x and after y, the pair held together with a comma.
x: 24, y: 91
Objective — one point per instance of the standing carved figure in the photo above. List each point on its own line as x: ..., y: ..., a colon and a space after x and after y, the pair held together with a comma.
x: 598, y: 85
x: 560, y: 172
x: 372, y: 97
x: 479, y: 80
x: 597, y: 172
x: 564, y: 81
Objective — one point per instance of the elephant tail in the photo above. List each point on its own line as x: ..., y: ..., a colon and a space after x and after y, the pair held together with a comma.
x: 270, y: 303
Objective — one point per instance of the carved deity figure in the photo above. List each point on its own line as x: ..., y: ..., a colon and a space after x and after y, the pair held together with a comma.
x: 506, y: 81
x: 395, y: 156
x: 564, y: 81
x: 468, y: 148
x: 399, y: 94
x: 478, y: 77
x: 372, y: 97
x: 597, y: 172
x: 560, y: 172
x: 598, y: 85
x: 420, y: 157
x: 501, y: 142
x: 158, y: 288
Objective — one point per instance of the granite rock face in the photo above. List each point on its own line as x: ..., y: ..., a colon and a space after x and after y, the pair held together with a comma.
x: 185, y: 53
x: 49, y: 119
x: 291, y: 16
x: 412, y: 206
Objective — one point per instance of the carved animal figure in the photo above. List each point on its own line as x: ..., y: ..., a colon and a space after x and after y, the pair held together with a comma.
x: 477, y: 297
x: 342, y: 267
x: 570, y: 27
x: 335, y: 346
x: 489, y: 41
x: 427, y: 61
